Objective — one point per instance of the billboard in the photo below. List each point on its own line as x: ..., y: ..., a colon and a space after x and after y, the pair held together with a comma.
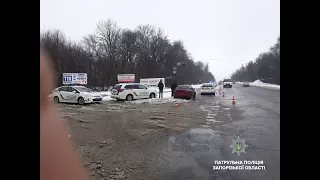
x: 74, y: 78
x: 126, y: 78
x: 152, y: 82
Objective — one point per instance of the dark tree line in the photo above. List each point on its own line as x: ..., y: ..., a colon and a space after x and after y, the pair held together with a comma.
x: 145, y: 51
x: 266, y: 67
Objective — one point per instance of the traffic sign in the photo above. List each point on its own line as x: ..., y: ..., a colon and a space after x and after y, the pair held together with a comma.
x: 174, y: 71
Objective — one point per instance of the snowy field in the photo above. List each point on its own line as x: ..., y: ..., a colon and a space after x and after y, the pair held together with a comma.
x: 258, y: 83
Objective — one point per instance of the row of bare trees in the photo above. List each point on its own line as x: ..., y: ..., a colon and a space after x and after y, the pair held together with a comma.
x: 265, y: 68
x: 145, y: 51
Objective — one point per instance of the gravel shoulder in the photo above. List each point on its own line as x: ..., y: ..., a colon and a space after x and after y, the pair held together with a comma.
x: 121, y: 140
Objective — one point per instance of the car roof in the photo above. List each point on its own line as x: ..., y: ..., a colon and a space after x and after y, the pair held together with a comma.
x: 184, y: 85
x: 71, y: 86
x: 127, y: 83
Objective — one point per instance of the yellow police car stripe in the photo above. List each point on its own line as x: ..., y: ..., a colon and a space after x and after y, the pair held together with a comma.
x: 61, y: 96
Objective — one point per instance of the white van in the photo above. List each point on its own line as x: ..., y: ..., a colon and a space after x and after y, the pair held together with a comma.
x: 227, y: 83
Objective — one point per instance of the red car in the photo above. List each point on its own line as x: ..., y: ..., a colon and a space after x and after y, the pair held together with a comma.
x: 184, y: 92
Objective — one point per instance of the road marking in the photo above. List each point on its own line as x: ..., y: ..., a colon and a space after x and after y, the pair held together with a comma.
x: 212, y: 120
x: 210, y: 117
x: 205, y: 126
x: 212, y: 114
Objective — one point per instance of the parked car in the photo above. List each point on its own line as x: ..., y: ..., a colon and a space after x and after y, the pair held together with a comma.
x: 184, y: 92
x: 245, y: 84
x: 75, y: 94
x: 207, y: 88
x: 132, y: 91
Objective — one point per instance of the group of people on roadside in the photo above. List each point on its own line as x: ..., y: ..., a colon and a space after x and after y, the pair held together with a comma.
x: 174, y: 85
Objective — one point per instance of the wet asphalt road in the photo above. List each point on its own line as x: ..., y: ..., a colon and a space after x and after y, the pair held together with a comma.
x: 255, y: 118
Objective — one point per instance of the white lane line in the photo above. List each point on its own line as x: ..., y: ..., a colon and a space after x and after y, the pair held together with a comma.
x: 212, y: 120
x: 226, y: 109
x: 217, y: 106
x: 210, y: 117
x: 212, y: 114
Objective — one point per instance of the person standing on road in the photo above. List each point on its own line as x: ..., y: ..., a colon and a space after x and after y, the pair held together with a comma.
x: 160, y: 86
x: 173, y: 87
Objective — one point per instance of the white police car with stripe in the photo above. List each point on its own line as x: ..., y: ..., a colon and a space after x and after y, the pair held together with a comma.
x: 75, y: 94
x: 131, y: 91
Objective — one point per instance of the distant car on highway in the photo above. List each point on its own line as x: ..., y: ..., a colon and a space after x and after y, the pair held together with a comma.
x: 245, y: 84
x: 184, y: 92
x: 132, y: 91
x: 227, y: 83
x: 207, y: 88
x: 75, y: 94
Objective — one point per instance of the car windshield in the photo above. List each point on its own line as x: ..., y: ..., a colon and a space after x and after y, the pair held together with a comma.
x: 182, y: 87
x: 227, y: 80
x: 207, y: 85
x: 84, y: 89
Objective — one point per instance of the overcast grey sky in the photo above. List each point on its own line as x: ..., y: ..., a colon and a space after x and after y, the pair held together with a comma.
x: 231, y: 32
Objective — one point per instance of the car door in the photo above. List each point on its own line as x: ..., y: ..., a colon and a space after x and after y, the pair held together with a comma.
x: 63, y: 93
x: 144, y: 92
x: 72, y: 94
x: 136, y: 91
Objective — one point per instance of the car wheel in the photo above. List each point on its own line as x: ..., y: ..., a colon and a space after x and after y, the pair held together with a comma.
x: 152, y: 95
x: 129, y: 97
x: 80, y: 100
x: 56, y: 100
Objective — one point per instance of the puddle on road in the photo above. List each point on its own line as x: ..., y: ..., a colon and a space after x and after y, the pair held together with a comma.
x: 88, y: 108
x: 201, y: 131
x: 229, y: 116
x: 205, y: 126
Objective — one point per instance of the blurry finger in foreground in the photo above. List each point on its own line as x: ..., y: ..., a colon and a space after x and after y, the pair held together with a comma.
x: 58, y: 159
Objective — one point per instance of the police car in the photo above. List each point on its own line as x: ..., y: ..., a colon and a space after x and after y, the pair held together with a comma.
x: 207, y: 88
x: 75, y: 94
x: 131, y: 91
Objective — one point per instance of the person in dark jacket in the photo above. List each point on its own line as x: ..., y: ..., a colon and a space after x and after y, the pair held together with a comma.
x: 173, y: 87
x: 160, y: 86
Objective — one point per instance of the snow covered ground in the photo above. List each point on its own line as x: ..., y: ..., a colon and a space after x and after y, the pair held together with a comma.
x: 258, y: 83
